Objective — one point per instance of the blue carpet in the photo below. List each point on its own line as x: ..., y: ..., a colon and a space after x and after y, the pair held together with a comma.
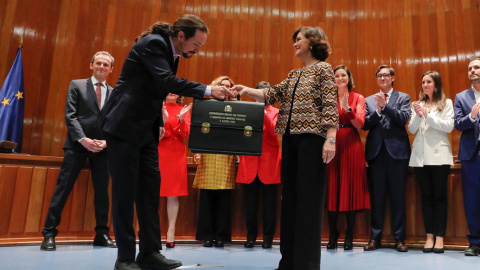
x: 235, y: 257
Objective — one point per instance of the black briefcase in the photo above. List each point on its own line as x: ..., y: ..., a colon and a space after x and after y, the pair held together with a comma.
x: 226, y: 127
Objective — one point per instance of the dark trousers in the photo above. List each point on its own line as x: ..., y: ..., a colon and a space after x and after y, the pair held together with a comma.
x: 332, y: 222
x: 433, y: 186
x: 72, y: 164
x: 387, y: 175
x: 303, y: 198
x: 471, y: 196
x: 251, y: 192
x: 214, y: 215
x: 135, y: 181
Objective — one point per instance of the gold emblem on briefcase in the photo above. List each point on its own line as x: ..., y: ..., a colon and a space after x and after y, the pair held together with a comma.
x: 205, y: 127
x: 248, y: 131
x: 228, y: 108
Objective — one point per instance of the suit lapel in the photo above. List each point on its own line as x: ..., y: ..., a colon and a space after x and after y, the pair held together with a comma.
x: 91, y: 91
x: 393, y: 98
x: 109, y: 89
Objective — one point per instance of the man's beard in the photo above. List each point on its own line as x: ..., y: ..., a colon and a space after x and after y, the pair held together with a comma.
x: 185, y: 55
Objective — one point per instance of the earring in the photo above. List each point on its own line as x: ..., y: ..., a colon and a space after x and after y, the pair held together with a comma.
x: 311, y: 48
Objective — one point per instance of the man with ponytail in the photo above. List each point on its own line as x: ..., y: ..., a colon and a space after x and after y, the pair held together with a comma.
x: 131, y: 120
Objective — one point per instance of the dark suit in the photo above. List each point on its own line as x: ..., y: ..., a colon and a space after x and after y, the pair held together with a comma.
x: 81, y: 114
x: 468, y: 153
x: 131, y: 120
x: 387, y: 152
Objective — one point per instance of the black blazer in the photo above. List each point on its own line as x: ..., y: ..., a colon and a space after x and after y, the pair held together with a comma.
x: 148, y: 75
x: 81, y: 113
x: 389, y: 127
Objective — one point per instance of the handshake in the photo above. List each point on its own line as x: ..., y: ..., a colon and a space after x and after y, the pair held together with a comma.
x: 221, y: 92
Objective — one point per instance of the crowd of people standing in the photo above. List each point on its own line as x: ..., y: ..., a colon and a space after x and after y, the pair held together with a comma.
x: 322, y: 160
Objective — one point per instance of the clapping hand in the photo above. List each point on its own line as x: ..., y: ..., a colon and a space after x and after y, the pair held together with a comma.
x: 475, y: 110
x: 184, y: 111
x: 380, y: 100
x: 344, y: 101
x: 419, y: 109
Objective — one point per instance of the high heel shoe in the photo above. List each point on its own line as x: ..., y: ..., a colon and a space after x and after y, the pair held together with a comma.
x: 332, y: 241
x: 170, y: 244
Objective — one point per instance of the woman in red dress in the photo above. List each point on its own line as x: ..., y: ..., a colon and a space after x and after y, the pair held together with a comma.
x: 347, y: 178
x: 172, y: 159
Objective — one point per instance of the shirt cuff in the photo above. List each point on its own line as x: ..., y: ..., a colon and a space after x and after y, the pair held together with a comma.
x: 81, y: 139
x: 208, y: 91
x: 471, y: 119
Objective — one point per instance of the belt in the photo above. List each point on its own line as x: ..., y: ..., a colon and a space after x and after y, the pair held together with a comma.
x: 346, y: 126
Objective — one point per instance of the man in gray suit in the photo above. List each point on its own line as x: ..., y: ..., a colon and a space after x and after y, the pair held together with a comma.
x: 85, y: 99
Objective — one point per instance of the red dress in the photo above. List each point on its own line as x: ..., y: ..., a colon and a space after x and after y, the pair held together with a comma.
x: 267, y: 165
x: 172, y: 157
x: 347, y: 175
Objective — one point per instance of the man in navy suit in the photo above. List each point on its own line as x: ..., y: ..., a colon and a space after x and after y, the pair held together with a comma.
x: 387, y: 152
x: 467, y: 107
x: 85, y: 99
x: 131, y: 122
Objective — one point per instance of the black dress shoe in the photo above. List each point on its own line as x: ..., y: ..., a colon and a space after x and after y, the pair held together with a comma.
x: 126, y: 266
x: 103, y: 240
x: 207, y: 243
x: 249, y: 244
x: 439, y: 250
x: 156, y: 261
x: 219, y: 243
x: 472, y: 250
x: 267, y: 244
x: 48, y: 243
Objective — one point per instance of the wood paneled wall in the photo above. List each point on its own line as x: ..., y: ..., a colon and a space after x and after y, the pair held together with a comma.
x: 250, y: 40
x: 27, y: 184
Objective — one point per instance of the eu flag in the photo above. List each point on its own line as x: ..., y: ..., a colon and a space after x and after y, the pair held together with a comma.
x: 12, y: 102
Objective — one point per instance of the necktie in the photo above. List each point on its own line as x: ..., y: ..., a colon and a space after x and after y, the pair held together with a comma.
x: 98, y: 92
x: 386, y: 96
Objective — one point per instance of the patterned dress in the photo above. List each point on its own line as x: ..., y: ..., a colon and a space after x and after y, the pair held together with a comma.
x: 347, y: 177
x: 215, y: 171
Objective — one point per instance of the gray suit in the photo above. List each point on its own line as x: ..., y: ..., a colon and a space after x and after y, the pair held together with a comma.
x: 81, y: 113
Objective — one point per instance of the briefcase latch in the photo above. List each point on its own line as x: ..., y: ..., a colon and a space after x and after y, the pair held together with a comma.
x: 248, y: 131
x: 205, y: 127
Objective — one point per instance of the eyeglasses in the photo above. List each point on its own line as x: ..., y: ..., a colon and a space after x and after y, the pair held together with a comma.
x: 384, y: 75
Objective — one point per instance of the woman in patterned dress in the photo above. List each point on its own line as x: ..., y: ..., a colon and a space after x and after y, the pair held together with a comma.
x: 308, y: 121
x: 215, y: 178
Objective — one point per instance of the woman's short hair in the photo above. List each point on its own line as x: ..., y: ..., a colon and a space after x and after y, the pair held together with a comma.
x: 318, y: 41
x: 222, y: 78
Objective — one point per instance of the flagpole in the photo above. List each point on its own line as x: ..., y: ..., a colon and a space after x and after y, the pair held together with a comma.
x: 21, y: 42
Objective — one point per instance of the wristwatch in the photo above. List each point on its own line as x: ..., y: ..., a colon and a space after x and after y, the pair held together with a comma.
x: 332, y: 140
x: 349, y: 109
